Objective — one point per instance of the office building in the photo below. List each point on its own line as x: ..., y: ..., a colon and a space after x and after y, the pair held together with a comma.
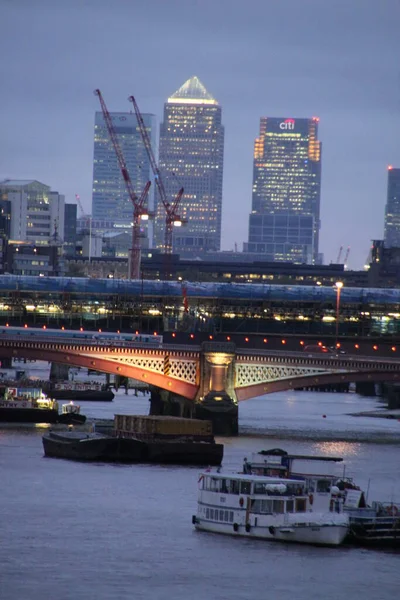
x: 191, y: 156
x: 37, y: 213
x: 111, y: 202
x: 392, y: 211
x: 285, y: 219
x: 70, y: 219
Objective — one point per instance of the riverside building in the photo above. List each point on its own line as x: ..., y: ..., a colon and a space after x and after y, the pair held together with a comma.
x: 285, y: 218
x: 191, y: 156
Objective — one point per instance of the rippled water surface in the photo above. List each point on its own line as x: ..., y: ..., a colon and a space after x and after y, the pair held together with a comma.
x: 97, y: 531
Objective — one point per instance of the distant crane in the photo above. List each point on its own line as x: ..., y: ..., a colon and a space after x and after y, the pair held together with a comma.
x: 139, y: 210
x: 346, y: 257
x: 79, y: 203
x: 171, y: 209
x: 339, y: 256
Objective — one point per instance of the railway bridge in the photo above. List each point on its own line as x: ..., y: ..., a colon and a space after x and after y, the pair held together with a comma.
x: 211, y: 379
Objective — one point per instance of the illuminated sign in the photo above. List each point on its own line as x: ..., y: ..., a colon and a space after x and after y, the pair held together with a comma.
x: 287, y: 124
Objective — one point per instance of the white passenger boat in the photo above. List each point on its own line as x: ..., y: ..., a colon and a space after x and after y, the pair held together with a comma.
x: 267, y: 507
x: 377, y: 524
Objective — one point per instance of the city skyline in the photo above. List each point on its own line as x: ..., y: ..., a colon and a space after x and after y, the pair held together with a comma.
x: 342, y: 72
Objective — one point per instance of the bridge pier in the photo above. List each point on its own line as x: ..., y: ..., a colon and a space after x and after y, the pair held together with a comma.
x: 366, y: 388
x: 163, y: 402
x: 59, y: 372
x: 217, y: 400
x: 6, y: 363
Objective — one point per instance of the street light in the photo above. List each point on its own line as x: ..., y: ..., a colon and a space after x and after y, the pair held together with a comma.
x: 339, y: 285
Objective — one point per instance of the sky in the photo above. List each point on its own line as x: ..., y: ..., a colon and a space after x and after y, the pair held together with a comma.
x: 335, y: 59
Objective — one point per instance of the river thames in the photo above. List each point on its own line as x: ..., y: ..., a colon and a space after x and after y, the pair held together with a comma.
x: 71, y: 530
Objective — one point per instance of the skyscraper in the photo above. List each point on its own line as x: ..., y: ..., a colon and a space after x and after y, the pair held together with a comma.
x: 111, y: 202
x: 191, y: 156
x: 284, y: 222
x: 392, y: 211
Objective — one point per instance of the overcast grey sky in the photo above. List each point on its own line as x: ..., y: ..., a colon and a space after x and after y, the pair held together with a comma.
x: 336, y: 59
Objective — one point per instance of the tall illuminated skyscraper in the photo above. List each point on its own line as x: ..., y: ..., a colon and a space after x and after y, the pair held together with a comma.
x: 392, y: 211
x: 111, y: 202
x: 284, y: 222
x: 191, y: 156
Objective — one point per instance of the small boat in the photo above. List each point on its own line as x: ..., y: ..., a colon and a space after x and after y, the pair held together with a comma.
x: 83, y: 395
x: 70, y: 414
x: 268, y: 508
x: 377, y: 524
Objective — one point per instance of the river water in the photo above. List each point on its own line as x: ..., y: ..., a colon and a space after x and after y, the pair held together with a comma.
x: 98, y: 531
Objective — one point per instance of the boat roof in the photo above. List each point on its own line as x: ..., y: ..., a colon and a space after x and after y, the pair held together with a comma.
x: 266, y: 453
x: 251, y: 477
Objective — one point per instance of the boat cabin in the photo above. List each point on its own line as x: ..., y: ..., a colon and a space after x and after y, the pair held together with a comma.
x: 320, y: 473
x: 260, y: 495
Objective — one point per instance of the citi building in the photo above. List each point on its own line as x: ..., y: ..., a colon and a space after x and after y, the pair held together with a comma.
x: 285, y: 218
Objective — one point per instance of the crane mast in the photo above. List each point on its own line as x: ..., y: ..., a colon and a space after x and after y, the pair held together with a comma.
x: 339, y: 256
x: 171, y: 210
x: 346, y: 258
x: 138, y: 203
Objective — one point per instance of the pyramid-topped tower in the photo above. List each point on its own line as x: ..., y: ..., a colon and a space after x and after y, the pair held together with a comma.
x: 192, y: 157
x: 192, y: 92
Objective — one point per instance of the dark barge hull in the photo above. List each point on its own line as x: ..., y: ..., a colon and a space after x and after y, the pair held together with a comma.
x: 90, y: 447
x: 28, y: 415
x: 83, y: 447
x: 82, y: 395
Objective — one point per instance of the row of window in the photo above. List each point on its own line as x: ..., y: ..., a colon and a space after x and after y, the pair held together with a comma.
x: 215, y: 514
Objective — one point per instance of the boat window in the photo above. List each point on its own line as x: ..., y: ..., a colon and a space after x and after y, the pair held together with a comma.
x: 235, y: 486
x: 262, y: 506
x: 212, y: 513
x: 300, y: 505
x: 289, y: 506
x: 323, y: 485
x: 245, y: 487
x: 226, y: 518
x: 278, y: 506
x: 311, y: 485
x: 259, y: 488
x: 221, y: 515
x: 292, y: 489
x: 207, y: 513
x: 225, y: 485
x: 214, y: 486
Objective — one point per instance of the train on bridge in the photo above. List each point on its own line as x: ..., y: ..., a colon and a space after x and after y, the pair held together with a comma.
x: 203, y: 309
x: 100, y: 337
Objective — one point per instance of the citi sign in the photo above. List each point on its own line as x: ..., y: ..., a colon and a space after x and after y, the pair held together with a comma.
x: 287, y: 124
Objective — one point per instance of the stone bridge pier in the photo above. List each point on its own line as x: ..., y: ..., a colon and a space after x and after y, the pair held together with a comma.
x: 216, y: 399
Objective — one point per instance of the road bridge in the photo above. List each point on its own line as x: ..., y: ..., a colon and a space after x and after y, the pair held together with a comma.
x: 212, y: 378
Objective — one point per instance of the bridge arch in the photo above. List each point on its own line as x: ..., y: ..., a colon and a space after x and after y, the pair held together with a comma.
x: 74, y: 356
x: 270, y: 387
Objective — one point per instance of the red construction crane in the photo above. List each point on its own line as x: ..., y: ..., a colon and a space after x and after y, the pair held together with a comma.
x: 139, y: 210
x: 172, y: 217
